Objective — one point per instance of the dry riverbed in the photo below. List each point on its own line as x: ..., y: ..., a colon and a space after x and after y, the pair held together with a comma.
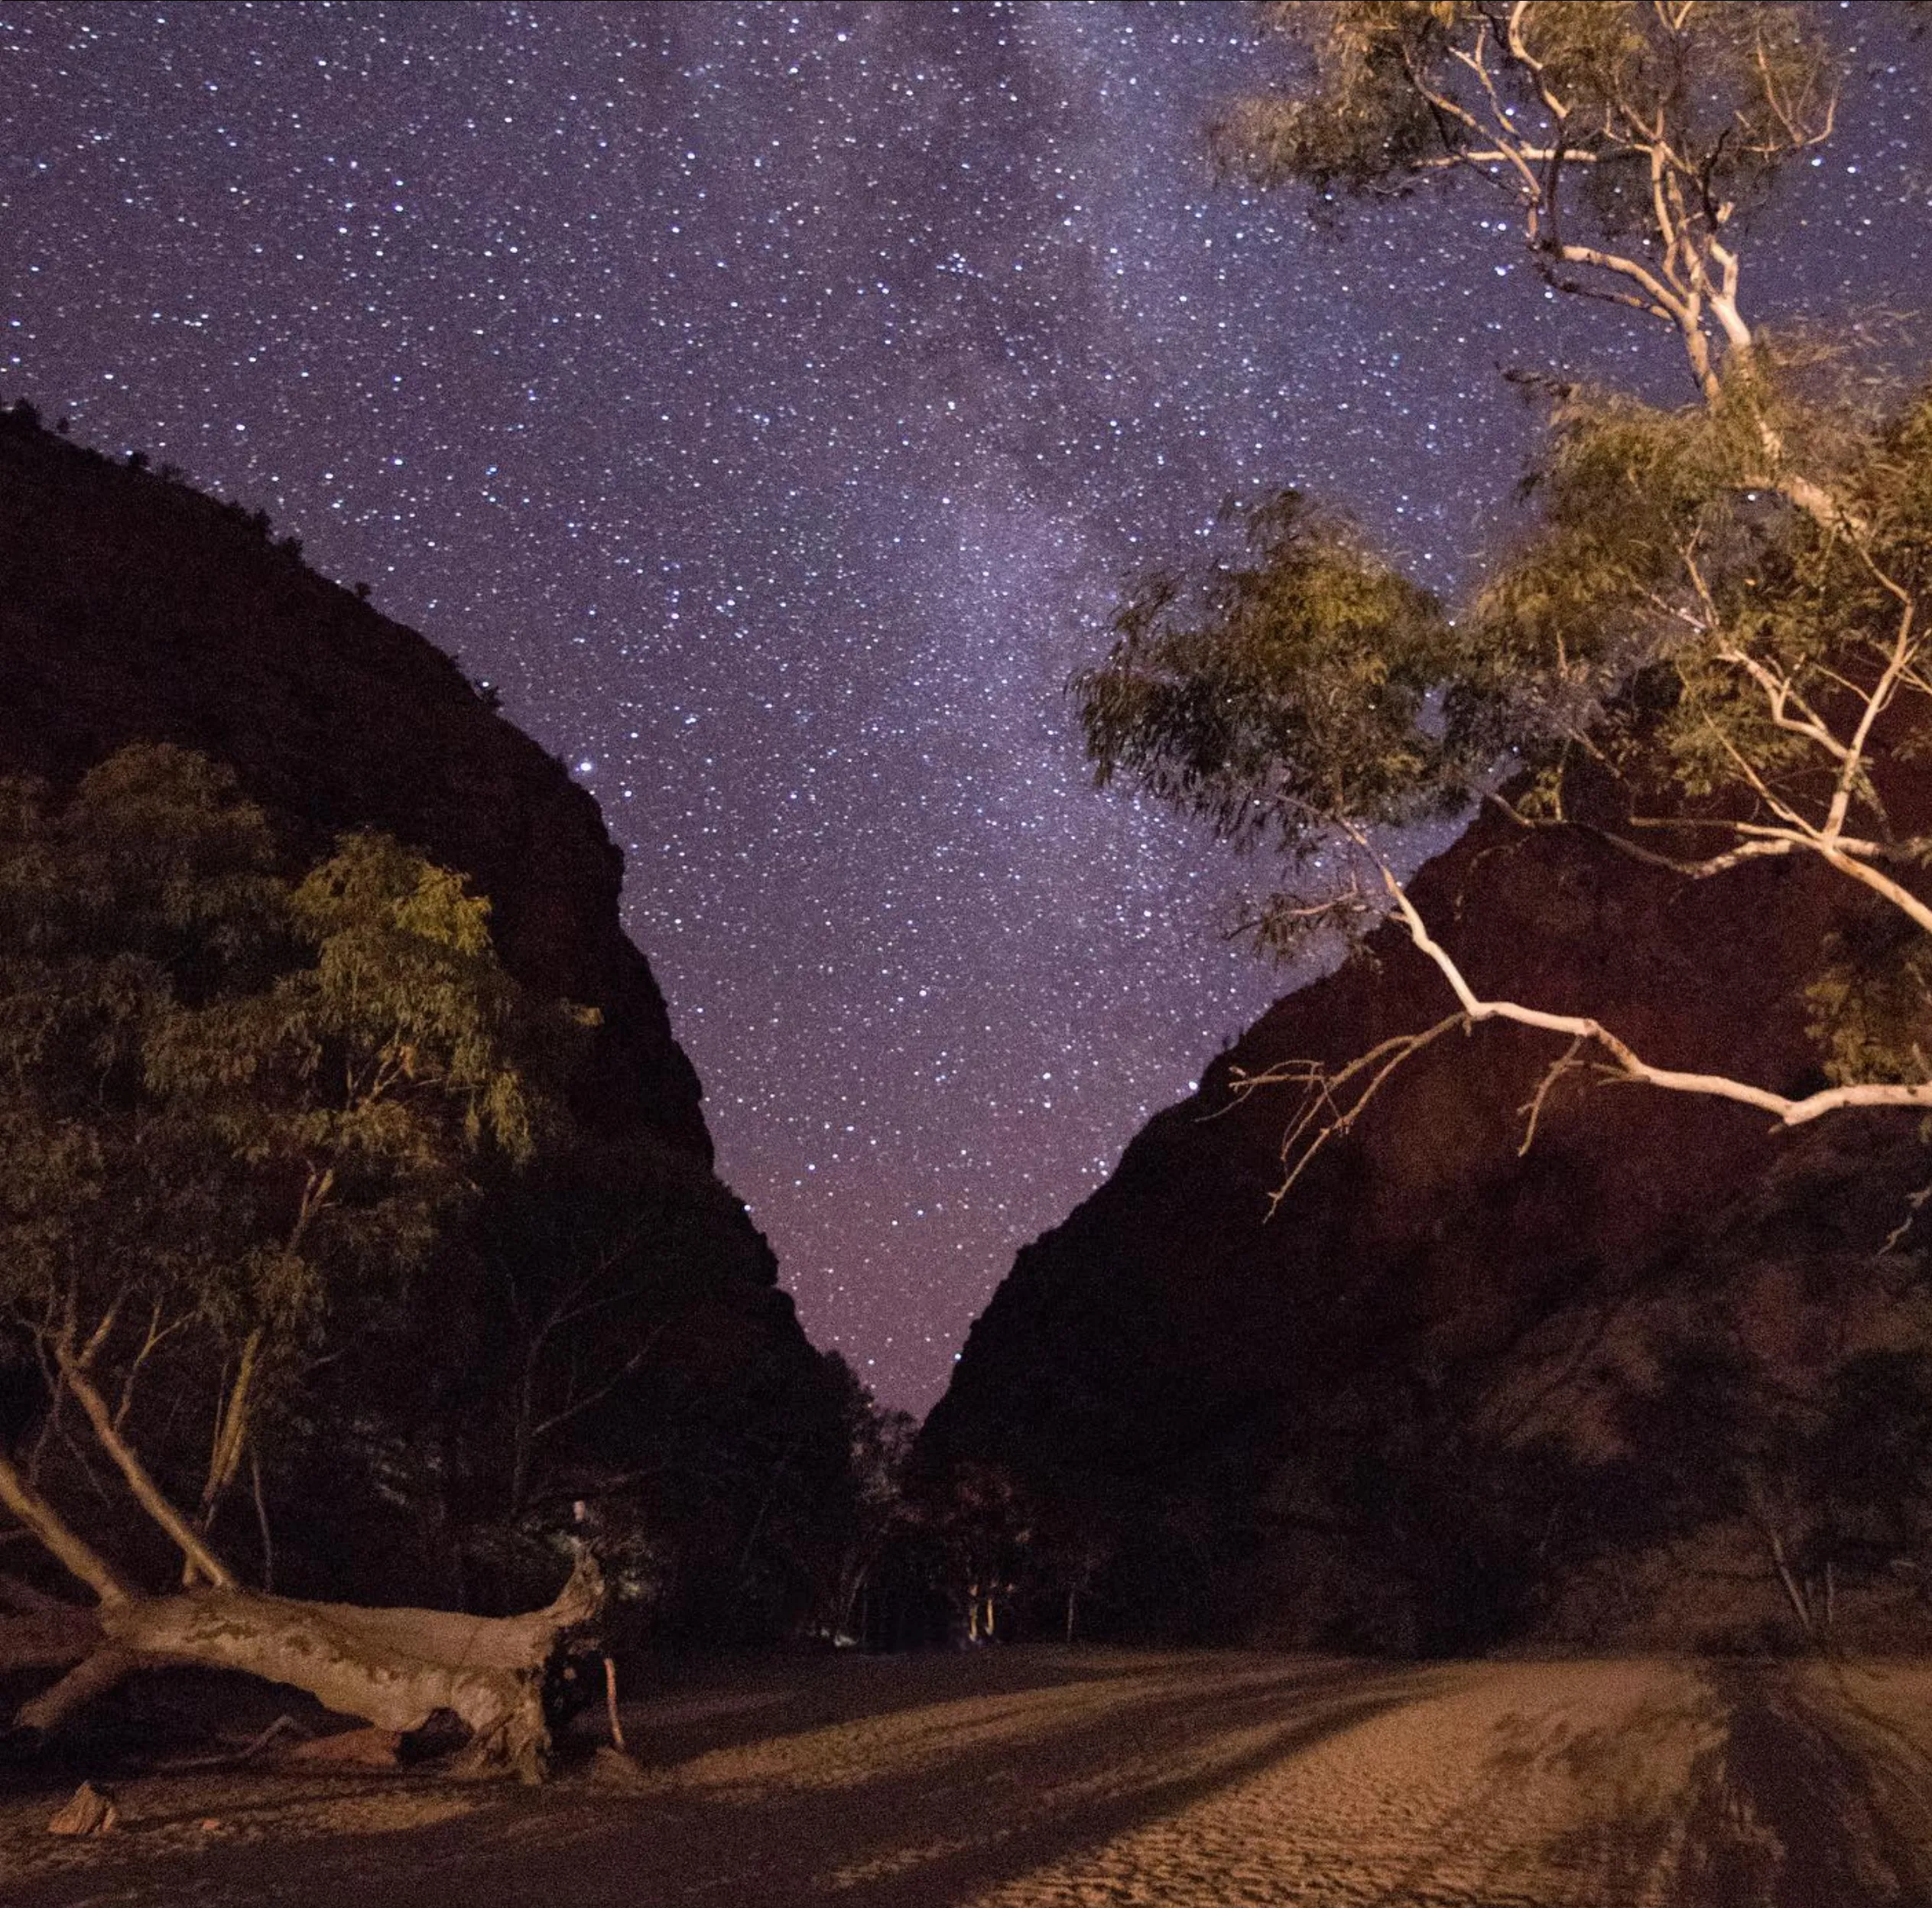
x: 1017, y: 1779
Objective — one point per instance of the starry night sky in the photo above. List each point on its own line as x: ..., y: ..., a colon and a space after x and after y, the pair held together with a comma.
x: 768, y: 399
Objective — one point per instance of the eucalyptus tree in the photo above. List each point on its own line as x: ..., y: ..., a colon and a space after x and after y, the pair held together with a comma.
x: 237, y: 1112
x: 1720, y: 614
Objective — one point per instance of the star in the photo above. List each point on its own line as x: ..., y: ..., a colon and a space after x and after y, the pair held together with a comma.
x: 768, y: 400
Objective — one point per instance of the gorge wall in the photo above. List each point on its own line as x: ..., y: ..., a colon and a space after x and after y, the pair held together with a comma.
x: 134, y: 609
x: 1455, y: 1393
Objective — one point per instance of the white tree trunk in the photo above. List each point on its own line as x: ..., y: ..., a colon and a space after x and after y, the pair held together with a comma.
x: 393, y: 1668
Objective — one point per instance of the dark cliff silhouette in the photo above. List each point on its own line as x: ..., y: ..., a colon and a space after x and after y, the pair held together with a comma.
x: 1454, y: 1394
x: 608, y: 1332
x: 134, y: 609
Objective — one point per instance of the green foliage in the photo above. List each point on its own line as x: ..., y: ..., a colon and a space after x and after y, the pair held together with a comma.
x: 1663, y: 564
x: 1386, y: 91
x: 1715, y: 617
x: 1305, y: 693
x: 1278, y: 691
x: 1358, y: 125
x: 404, y: 1003
x: 233, y: 1106
x: 1871, y: 1005
x: 149, y: 891
x: 378, y: 1406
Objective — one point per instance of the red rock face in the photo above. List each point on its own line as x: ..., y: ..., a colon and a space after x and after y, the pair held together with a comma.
x: 1427, y: 1282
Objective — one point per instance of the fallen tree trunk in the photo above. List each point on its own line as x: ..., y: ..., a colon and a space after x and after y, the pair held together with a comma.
x: 396, y: 1668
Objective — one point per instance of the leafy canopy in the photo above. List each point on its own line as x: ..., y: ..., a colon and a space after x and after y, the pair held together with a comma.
x: 1716, y: 616
x: 233, y: 1106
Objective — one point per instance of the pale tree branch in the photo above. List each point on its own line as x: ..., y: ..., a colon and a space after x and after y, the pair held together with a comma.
x: 100, y: 1336
x: 1497, y: 156
x: 1755, y: 843
x: 1699, y: 870
x: 1663, y: 302
x: 1914, y: 1202
x: 140, y: 1481
x: 261, y: 1524
x: 1852, y: 772
x: 1748, y: 773
x: 576, y: 1405
x: 1519, y: 51
x: 232, y: 1426
x: 1505, y: 151
x: 77, y: 1556
x: 156, y: 1335
x: 235, y: 1410
x: 1625, y: 1062
x: 1752, y: 831
x: 1880, y: 884
x: 1604, y: 294
x: 1333, y: 1098
x: 1532, y: 1112
x: 1479, y: 66
x: 1780, y: 697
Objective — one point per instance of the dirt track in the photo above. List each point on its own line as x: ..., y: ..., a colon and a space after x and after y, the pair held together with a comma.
x: 1017, y: 1779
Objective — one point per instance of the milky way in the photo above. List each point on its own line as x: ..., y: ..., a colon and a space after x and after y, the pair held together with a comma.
x: 766, y: 399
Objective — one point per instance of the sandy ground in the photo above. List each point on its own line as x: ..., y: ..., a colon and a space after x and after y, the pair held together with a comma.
x: 1018, y: 1779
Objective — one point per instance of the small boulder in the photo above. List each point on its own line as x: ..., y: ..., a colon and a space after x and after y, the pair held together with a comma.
x: 88, y: 1811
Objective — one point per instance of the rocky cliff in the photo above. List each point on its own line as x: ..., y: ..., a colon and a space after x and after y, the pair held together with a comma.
x: 1458, y: 1391
x: 133, y: 608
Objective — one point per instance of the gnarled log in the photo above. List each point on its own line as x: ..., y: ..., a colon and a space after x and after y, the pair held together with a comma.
x: 393, y: 1668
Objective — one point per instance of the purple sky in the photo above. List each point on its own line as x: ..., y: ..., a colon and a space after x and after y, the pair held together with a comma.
x: 767, y: 399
